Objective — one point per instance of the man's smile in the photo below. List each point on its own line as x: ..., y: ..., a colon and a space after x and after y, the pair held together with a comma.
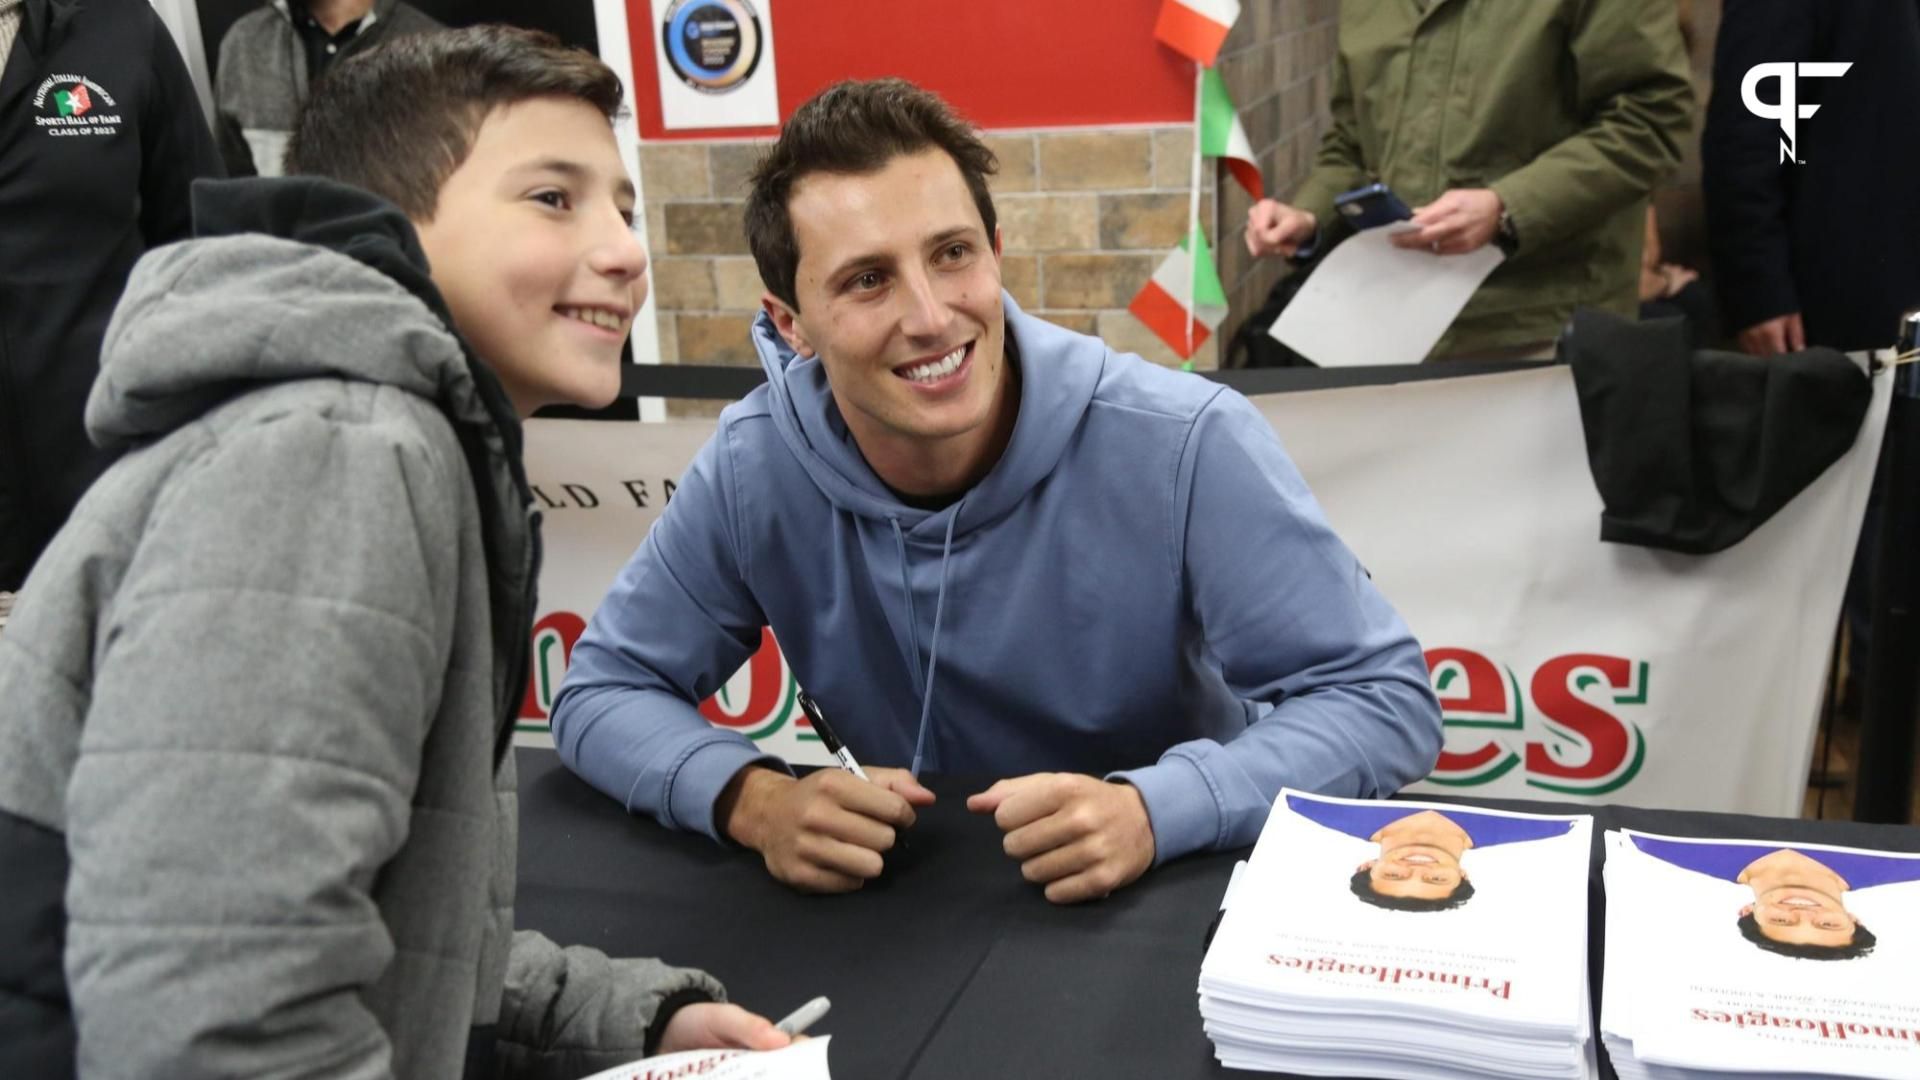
x: 940, y: 371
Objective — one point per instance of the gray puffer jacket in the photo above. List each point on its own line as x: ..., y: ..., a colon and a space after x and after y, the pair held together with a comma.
x: 257, y: 806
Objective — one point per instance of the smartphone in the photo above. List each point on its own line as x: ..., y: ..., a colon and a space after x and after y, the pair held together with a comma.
x: 1371, y: 206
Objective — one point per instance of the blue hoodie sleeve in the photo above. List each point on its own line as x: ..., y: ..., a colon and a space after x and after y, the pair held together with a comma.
x: 678, y: 621
x: 1335, y: 681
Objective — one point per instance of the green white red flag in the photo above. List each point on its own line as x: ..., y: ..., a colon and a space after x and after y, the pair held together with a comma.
x: 1184, y: 302
x: 1196, y: 28
x: 1223, y: 136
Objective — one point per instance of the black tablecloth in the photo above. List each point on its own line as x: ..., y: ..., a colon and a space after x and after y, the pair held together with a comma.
x: 951, y: 965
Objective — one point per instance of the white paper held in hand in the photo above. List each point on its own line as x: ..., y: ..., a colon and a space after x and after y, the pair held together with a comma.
x: 1369, y: 302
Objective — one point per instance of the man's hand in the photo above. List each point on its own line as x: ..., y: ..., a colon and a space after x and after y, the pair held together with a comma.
x: 1460, y: 221
x: 824, y: 833
x: 1080, y: 836
x: 712, y: 1026
x: 1274, y: 228
x: 1775, y: 336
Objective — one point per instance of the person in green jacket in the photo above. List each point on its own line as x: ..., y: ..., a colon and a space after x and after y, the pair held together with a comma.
x: 1541, y: 125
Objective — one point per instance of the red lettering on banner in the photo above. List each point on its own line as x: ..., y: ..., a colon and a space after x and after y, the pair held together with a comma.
x: 765, y: 685
x: 1570, y: 746
x: 1607, y: 738
x: 1484, y: 692
x: 559, y: 630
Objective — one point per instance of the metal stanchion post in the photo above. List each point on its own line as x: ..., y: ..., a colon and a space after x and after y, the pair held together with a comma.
x: 1892, y: 713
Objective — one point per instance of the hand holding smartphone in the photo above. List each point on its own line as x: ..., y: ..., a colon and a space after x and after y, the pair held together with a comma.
x: 1371, y: 206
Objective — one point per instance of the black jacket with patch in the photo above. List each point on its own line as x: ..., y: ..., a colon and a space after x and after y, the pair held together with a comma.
x: 100, y: 134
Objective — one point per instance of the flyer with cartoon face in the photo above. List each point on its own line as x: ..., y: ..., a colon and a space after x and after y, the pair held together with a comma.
x: 1461, y: 918
x: 1763, y: 956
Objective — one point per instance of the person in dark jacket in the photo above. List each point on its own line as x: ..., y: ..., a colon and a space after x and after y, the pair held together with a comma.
x: 257, y: 809
x: 1822, y: 249
x: 100, y: 134
x: 272, y: 54
x: 1816, y: 239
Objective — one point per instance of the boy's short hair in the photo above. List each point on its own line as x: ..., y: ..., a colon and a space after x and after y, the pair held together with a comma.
x: 398, y: 119
x: 854, y: 128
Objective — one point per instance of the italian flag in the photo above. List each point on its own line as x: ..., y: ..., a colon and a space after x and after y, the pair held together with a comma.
x: 1195, y: 28
x: 74, y: 102
x: 1184, y: 302
x: 1222, y: 136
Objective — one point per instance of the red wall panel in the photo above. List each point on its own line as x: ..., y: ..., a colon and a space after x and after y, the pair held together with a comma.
x: 1003, y: 63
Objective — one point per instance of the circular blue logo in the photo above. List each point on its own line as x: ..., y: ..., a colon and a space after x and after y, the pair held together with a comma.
x: 712, y: 45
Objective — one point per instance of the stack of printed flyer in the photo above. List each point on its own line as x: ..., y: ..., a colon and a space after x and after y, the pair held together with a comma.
x: 1736, y: 958
x: 1423, y: 941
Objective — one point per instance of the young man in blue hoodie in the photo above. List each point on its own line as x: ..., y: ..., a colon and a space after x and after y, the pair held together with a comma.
x: 987, y: 545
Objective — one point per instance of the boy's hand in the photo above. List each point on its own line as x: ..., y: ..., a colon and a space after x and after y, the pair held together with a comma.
x: 1080, y: 836
x: 824, y: 833
x: 712, y: 1026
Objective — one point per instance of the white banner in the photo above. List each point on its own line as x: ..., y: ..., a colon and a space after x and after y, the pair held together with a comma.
x: 600, y: 485
x: 1568, y: 668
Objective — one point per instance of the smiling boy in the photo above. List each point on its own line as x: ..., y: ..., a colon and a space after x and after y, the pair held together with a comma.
x: 987, y: 546
x: 258, y: 814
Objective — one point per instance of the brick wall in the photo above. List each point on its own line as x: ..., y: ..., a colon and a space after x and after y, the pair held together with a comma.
x: 1086, y: 213
x: 1278, y: 68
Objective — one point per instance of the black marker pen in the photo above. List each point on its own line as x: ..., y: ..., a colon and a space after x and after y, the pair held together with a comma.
x: 833, y: 744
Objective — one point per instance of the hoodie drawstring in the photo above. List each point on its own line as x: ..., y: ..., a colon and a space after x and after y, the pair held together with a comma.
x: 924, y: 684
x: 913, y: 621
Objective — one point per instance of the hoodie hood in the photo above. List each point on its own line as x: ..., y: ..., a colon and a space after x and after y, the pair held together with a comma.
x: 1054, y: 395
x: 287, y: 279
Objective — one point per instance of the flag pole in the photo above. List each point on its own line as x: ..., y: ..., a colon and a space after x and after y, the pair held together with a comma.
x: 1193, y: 202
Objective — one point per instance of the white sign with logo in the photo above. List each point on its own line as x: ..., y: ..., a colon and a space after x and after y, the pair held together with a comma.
x: 715, y: 61
x: 1567, y: 668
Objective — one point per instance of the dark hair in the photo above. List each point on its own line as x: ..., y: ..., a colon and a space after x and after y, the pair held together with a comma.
x: 1362, y: 885
x: 398, y: 119
x: 854, y: 128
x: 1859, y: 945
